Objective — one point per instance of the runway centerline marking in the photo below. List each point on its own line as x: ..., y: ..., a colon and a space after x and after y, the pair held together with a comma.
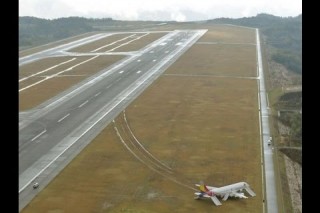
x: 97, y: 94
x: 126, y: 94
x: 121, y: 71
x: 63, y: 117
x: 81, y: 105
x: 139, y: 71
x: 41, y: 133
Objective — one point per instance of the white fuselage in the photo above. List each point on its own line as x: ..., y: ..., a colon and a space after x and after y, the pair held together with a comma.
x: 221, y: 191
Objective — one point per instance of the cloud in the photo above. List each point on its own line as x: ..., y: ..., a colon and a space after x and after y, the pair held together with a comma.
x: 178, y: 10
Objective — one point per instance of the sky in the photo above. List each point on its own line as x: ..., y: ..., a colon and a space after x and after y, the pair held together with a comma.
x: 161, y: 10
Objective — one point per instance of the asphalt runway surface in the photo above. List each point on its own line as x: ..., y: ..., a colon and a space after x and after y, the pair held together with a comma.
x: 53, y: 133
x: 270, y: 182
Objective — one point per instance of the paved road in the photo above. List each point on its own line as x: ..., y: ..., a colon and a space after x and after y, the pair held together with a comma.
x: 67, y: 123
x: 270, y: 183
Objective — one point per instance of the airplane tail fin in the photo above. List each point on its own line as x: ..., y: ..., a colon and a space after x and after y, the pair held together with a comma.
x: 203, y: 188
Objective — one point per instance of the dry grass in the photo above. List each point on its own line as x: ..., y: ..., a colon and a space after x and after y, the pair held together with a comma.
x: 101, y: 42
x: 53, y: 44
x: 203, y: 127
x: 41, y: 92
x: 133, y: 46
x: 229, y: 34
x: 218, y: 60
x: 49, y: 63
x: 140, y: 43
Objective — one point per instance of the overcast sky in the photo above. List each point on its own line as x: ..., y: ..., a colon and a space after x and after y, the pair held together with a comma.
x: 161, y: 10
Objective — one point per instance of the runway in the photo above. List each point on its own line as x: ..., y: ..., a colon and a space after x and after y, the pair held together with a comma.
x: 59, y: 50
x: 56, y: 131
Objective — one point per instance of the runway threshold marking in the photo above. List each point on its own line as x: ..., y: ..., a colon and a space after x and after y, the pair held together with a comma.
x: 41, y: 133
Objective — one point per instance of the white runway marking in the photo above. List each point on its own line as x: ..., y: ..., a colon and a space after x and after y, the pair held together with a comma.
x: 121, y: 71
x: 139, y: 60
x: 97, y: 94
x: 50, y: 68
x: 56, y: 74
x: 61, y: 119
x: 115, y: 104
x: 139, y: 71
x: 41, y: 133
x: 81, y: 105
x: 127, y: 42
x: 112, y: 43
x: 154, y: 60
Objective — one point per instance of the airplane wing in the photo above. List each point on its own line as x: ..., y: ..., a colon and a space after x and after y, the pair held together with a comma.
x: 225, y: 197
x: 215, y: 201
x: 240, y: 195
x: 250, y: 191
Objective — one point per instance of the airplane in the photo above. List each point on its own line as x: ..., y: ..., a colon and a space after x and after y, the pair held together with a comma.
x: 231, y: 190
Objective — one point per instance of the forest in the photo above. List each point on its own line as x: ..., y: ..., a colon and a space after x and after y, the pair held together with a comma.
x: 283, y: 34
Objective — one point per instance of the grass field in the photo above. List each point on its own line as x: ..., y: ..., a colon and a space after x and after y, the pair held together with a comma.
x: 139, y: 40
x: 198, y: 121
x: 30, y: 51
x: 41, y: 92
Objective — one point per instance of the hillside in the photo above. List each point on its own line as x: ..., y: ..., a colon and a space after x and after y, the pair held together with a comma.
x: 35, y: 31
x: 284, y: 35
